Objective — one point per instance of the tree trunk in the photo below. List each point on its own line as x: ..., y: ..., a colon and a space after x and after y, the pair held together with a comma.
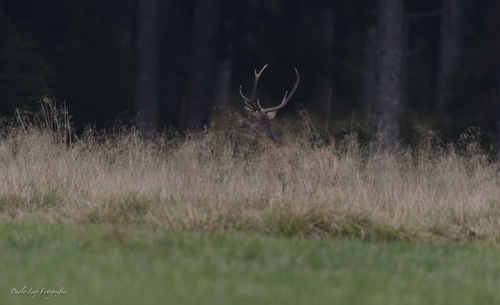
x: 450, y: 48
x: 204, y: 46
x: 326, y: 26
x: 368, y: 87
x: 388, y: 92
x: 498, y: 107
x: 175, y: 73
x: 147, y: 91
x: 405, y: 43
x: 224, y: 81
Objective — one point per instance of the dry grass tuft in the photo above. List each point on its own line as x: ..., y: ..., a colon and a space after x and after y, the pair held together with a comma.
x: 215, y: 182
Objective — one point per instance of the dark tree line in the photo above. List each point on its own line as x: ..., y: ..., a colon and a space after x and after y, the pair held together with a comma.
x: 391, y: 65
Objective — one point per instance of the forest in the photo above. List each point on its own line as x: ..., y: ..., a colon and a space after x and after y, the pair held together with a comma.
x: 250, y: 152
x: 402, y: 66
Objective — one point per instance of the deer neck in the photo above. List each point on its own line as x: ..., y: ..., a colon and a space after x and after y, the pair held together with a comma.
x: 266, y: 126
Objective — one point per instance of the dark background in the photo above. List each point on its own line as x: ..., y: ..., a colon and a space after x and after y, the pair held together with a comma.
x: 387, y: 64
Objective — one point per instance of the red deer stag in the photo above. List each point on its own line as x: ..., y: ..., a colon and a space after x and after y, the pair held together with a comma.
x: 258, y: 122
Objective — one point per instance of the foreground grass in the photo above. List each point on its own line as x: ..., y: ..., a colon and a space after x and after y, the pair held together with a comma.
x: 221, y: 181
x: 112, y: 265
x: 215, y: 183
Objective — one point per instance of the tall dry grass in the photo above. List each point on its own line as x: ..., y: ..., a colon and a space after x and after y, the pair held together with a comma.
x: 217, y: 182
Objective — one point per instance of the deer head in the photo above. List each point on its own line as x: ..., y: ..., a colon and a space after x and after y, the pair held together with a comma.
x: 258, y: 117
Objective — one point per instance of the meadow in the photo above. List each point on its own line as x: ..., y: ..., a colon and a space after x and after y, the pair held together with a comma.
x: 218, y: 181
x: 211, y: 218
x: 101, y: 264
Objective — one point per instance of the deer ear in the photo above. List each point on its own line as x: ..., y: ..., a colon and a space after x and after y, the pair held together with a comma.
x: 271, y: 114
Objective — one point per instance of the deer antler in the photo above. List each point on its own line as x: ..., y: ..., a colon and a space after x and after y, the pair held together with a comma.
x: 251, y: 103
x: 286, y: 98
x: 246, y: 100
x: 258, y: 116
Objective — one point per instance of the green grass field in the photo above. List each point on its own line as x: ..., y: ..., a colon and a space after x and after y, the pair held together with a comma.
x: 116, y: 265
